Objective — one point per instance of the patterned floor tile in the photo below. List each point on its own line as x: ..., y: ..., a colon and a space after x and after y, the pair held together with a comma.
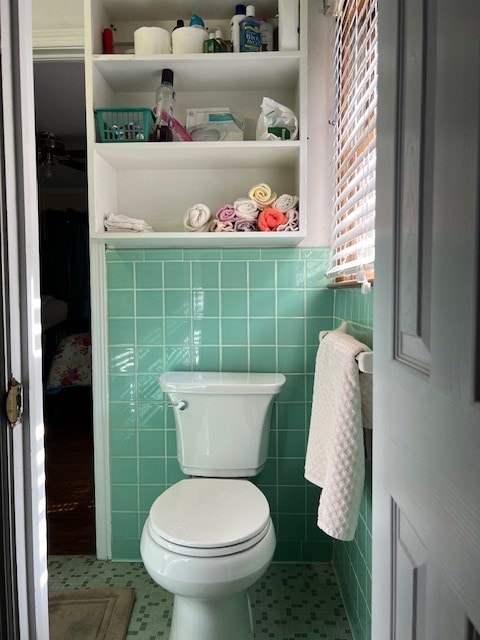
x: 291, y: 602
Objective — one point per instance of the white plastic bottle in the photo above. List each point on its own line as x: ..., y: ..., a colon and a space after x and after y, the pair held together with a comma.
x: 240, y: 13
x: 288, y: 19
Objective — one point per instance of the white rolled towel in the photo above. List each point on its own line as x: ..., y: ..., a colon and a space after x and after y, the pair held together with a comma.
x: 292, y: 221
x: 219, y: 226
x: 197, y: 218
x: 285, y: 202
x: 246, y: 209
x: 119, y: 222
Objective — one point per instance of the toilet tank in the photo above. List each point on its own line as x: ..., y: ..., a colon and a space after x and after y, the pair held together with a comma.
x: 222, y: 420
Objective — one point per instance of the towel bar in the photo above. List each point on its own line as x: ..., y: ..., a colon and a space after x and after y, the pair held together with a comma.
x: 365, y: 358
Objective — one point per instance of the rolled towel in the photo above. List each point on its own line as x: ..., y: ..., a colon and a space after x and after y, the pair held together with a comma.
x: 285, y: 202
x: 270, y: 219
x: 120, y: 222
x: 262, y: 194
x: 246, y: 209
x: 245, y: 225
x: 219, y: 226
x: 292, y: 221
x: 226, y: 213
x: 197, y: 218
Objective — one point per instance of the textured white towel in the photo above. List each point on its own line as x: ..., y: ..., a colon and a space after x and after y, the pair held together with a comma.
x: 197, y: 218
x: 119, y: 222
x: 335, y: 457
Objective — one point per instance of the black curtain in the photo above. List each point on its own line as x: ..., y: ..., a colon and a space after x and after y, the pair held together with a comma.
x: 64, y: 260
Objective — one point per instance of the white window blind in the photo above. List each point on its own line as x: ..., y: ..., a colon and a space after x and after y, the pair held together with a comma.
x: 355, y: 95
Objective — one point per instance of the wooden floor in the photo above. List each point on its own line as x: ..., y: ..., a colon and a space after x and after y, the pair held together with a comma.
x: 69, y: 472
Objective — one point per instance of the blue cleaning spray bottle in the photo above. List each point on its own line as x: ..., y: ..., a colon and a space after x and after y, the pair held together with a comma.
x: 250, y: 32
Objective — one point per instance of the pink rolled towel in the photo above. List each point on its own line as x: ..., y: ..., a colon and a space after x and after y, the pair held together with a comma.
x: 271, y: 219
x: 226, y: 213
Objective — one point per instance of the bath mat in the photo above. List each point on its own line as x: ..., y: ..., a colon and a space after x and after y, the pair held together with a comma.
x: 90, y: 614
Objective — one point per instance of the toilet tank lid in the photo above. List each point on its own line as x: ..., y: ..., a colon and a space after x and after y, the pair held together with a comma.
x: 219, y: 383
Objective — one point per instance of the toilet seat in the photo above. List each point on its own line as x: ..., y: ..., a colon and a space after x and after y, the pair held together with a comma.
x: 208, y: 517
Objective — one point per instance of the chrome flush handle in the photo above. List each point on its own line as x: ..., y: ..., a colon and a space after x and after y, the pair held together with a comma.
x: 181, y: 405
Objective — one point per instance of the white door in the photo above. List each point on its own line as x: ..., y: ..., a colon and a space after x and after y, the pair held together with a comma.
x: 23, y: 492
x: 426, y: 512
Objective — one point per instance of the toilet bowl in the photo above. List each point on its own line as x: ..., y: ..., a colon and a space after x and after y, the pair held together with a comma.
x: 207, y: 541
x: 209, y: 538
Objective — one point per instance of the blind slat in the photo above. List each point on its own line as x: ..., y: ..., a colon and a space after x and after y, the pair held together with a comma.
x: 355, y: 91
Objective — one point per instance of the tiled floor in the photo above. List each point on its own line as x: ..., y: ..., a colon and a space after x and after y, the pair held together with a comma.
x: 292, y: 601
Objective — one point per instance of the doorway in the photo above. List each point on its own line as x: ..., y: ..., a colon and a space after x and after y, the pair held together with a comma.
x: 65, y: 297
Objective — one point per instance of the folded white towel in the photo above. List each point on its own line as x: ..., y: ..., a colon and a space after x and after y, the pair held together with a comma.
x: 220, y: 226
x: 292, y: 221
x: 119, y: 222
x: 197, y: 218
x: 335, y: 457
x: 246, y: 209
x: 285, y: 202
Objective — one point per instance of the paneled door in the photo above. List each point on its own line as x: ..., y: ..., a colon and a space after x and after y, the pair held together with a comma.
x: 426, y: 511
x: 23, y: 548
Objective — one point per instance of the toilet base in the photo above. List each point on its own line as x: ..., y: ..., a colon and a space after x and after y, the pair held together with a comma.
x: 212, y: 619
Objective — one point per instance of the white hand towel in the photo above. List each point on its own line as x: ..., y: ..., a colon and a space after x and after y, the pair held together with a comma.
x: 119, y: 222
x: 246, y: 209
x: 197, y: 218
x: 285, y: 202
x: 335, y: 457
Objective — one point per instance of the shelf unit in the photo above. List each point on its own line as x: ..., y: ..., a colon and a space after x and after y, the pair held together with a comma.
x: 158, y: 182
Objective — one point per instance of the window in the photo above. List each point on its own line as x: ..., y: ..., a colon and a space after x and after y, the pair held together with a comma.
x: 355, y: 104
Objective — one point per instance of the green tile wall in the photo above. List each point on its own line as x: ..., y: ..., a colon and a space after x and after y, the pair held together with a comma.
x: 229, y: 310
x: 353, y: 560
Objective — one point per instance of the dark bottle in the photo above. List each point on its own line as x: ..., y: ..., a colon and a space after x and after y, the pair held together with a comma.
x: 164, y: 109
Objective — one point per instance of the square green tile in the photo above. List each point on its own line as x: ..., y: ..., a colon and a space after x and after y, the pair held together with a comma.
x: 123, y: 443
x: 156, y: 255
x: 290, y: 304
x: 121, y: 331
x: 120, y: 275
x: 234, y: 359
x: 178, y: 303
x: 178, y: 358
x: 178, y: 331
x: 290, y: 471
x: 319, y: 303
x: 151, y: 443
x: 205, y: 304
x: 126, y: 549
x: 233, y: 275
x: 151, y: 415
x: 293, y: 389
x: 122, y: 388
x: 151, y: 470
x: 205, y: 275
x: 149, y: 275
x: 147, y: 495
x: 122, y: 415
x: 206, y: 358
x: 291, y: 443
x: 148, y: 388
x: 240, y: 254
x: 291, y: 526
x: 315, y: 552
x: 291, y: 331
x: 124, y: 525
x: 121, y: 359
x: 150, y: 360
x: 262, y: 303
x: 124, y: 497
x: 149, y: 331
x: 149, y: 303
x: 174, y: 473
x: 262, y: 274
x: 121, y: 304
x: 291, y: 499
x: 262, y: 331
x: 291, y: 415
x: 291, y: 359
x: 177, y: 275
x: 287, y: 551
x: 123, y: 470
x: 206, y: 331
x: 234, y: 331
x: 263, y: 359
x: 233, y: 304
x: 291, y: 275
x: 124, y: 255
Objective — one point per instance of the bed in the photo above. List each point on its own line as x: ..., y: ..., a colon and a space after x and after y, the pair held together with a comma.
x: 71, y: 364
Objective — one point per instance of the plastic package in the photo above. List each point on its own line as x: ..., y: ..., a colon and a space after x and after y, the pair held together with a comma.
x: 276, y: 122
x: 212, y: 125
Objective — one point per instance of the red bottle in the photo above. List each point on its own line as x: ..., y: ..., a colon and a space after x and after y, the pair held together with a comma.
x: 107, y: 38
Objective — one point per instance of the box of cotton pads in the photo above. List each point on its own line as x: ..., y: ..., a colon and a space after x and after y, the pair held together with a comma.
x: 213, y: 125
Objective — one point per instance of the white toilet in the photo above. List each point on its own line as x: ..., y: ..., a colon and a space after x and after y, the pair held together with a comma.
x: 208, y: 539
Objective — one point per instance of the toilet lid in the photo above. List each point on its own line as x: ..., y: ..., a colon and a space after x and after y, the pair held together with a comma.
x: 208, y: 513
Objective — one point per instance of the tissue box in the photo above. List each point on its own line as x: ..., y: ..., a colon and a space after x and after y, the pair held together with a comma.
x: 213, y: 125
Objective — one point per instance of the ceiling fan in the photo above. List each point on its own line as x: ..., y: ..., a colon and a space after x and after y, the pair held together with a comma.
x: 51, y: 151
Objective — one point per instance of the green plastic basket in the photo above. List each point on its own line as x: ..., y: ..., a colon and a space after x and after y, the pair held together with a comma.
x: 124, y: 125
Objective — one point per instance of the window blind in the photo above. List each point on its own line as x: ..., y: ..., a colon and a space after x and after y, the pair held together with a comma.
x: 355, y: 108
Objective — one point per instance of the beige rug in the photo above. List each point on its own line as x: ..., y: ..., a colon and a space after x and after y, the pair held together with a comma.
x: 90, y: 614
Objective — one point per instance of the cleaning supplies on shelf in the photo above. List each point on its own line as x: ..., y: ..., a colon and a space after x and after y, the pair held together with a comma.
x: 266, y: 33
x: 163, y: 109
x: 151, y: 41
x: 250, y: 32
x: 108, y: 45
x: 239, y: 15
x: 275, y: 119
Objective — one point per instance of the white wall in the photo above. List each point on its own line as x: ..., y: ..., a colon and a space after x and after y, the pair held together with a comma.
x: 68, y: 14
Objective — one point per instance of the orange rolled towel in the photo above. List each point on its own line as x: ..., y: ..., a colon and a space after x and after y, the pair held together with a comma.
x: 270, y: 219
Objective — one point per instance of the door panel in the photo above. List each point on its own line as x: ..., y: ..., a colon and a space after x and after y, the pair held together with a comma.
x: 426, y: 502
